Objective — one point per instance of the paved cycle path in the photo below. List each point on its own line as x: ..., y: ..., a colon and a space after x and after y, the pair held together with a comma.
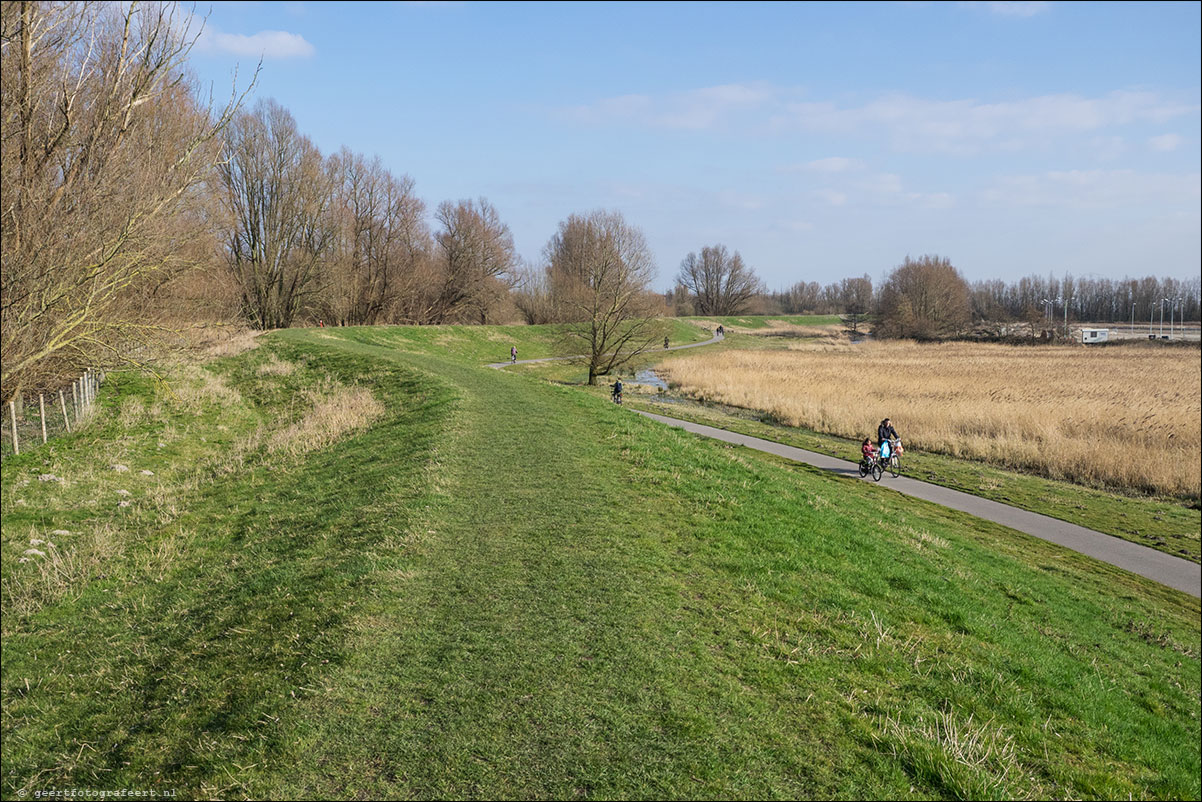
x: 1164, y: 568
x: 717, y: 338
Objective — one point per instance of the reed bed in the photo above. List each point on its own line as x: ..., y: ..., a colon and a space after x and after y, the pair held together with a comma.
x: 1110, y: 417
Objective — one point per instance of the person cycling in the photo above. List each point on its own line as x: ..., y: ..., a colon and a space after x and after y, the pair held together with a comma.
x: 513, y: 354
x: 617, y: 391
x: 868, y: 451
x: 885, y: 433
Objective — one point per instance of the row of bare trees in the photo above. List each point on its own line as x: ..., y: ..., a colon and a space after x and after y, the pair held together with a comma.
x: 1094, y: 299
x: 107, y: 151
x: 346, y: 240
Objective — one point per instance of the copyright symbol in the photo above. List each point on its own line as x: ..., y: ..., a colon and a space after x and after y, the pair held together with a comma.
x: 21, y: 792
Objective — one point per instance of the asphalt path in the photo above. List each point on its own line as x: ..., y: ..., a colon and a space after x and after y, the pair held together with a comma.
x: 717, y: 338
x: 1164, y: 568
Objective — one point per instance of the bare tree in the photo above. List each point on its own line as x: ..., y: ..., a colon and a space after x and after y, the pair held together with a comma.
x: 473, y: 265
x: 278, y: 195
x: 925, y: 298
x: 799, y: 298
x: 856, y: 297
x: 106, y: 149
x: 600, y: 272
x: 532, y: 296
x: 380, y: 243
x: 719, y: 281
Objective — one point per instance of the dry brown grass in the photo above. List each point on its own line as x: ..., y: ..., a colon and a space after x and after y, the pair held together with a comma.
x: 781, y: 328
x: 227, y: 341
x: 1117, y: 417
x: 274, y: 366
x: 337, y: 410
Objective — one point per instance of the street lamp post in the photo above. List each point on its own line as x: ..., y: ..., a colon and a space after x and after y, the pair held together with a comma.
x: 1162, y: 301
x: 1132, y: 320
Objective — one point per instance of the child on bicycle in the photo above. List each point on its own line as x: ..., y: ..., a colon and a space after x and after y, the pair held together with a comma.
x: 868, y: 450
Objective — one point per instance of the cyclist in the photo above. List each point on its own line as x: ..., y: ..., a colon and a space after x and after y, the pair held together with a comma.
x: 885, y: 433
x: 617, y: 391
x: 513, y: 354
x: 868, y: 450
x: 665, y: 343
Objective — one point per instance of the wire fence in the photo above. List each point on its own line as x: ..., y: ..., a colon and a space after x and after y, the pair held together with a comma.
x: 33, y: 419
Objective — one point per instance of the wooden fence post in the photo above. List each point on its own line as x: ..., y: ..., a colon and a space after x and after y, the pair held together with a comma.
x: 62, y: 400
x: 12, y: 411
x: 42, y: 416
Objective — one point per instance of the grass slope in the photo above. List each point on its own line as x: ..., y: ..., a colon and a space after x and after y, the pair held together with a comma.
x: 506, y: 589
x: 1164, y: 524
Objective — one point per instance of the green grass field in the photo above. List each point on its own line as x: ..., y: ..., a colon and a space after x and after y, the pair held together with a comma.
x: 491, y: 586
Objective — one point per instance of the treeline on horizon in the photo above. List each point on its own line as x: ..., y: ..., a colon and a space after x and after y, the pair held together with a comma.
x: 1092, y: 300
x: 135, y: 207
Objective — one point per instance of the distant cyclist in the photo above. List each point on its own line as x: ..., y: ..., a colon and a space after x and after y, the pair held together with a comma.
x: 665, y: 343
x: 617, y: 391
x: 513, y: 354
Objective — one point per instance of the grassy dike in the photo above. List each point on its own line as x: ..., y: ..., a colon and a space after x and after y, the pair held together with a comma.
x: 508, y: 589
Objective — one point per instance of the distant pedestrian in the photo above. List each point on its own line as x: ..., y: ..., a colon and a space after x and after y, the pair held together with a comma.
x: 321, y: 324
x: 513, y: 354
x: 665, y: 343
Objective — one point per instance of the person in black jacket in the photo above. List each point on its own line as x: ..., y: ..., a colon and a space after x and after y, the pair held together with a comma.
x: 885, y: 432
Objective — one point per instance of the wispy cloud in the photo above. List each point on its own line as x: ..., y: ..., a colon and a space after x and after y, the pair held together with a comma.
x: 264, y: 44
x: 694, y: 109
x: 1165, y: 142
x: 1095, y: 189
x: 833, y: 164
x: 906, y: 122
x: 1011, y: 9
x: 968, y: 126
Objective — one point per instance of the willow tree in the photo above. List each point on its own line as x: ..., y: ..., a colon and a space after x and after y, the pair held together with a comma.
x: 278, y: 195
x: 600, y: 271
x: 721, y: 282
x: 924, y: 298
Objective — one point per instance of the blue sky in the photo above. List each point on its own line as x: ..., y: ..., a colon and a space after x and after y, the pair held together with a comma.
x: 819, y: 140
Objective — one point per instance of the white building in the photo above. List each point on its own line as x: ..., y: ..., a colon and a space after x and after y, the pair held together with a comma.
x: 1090, y: 336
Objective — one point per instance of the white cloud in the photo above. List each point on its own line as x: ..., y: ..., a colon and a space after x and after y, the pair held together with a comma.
x: 1011, y: 9
x: 264, y: 44
x: 831, y: 197
x: 1165, y: 142
x: 968, y: 126
x: 694, y: 109
x: 1097, y: 189
x: 906, y: 122
x: 834, y: 164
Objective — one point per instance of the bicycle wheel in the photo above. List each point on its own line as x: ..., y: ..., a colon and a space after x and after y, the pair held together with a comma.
x: 876, y: 472
x: 863, y: 469
x: 894, y: 467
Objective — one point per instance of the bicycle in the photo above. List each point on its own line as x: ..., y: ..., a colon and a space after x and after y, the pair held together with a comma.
x: 894, y: 461
x: 871, y: 465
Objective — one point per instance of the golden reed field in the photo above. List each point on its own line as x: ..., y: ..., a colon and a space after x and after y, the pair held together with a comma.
x: 1117, y: 417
